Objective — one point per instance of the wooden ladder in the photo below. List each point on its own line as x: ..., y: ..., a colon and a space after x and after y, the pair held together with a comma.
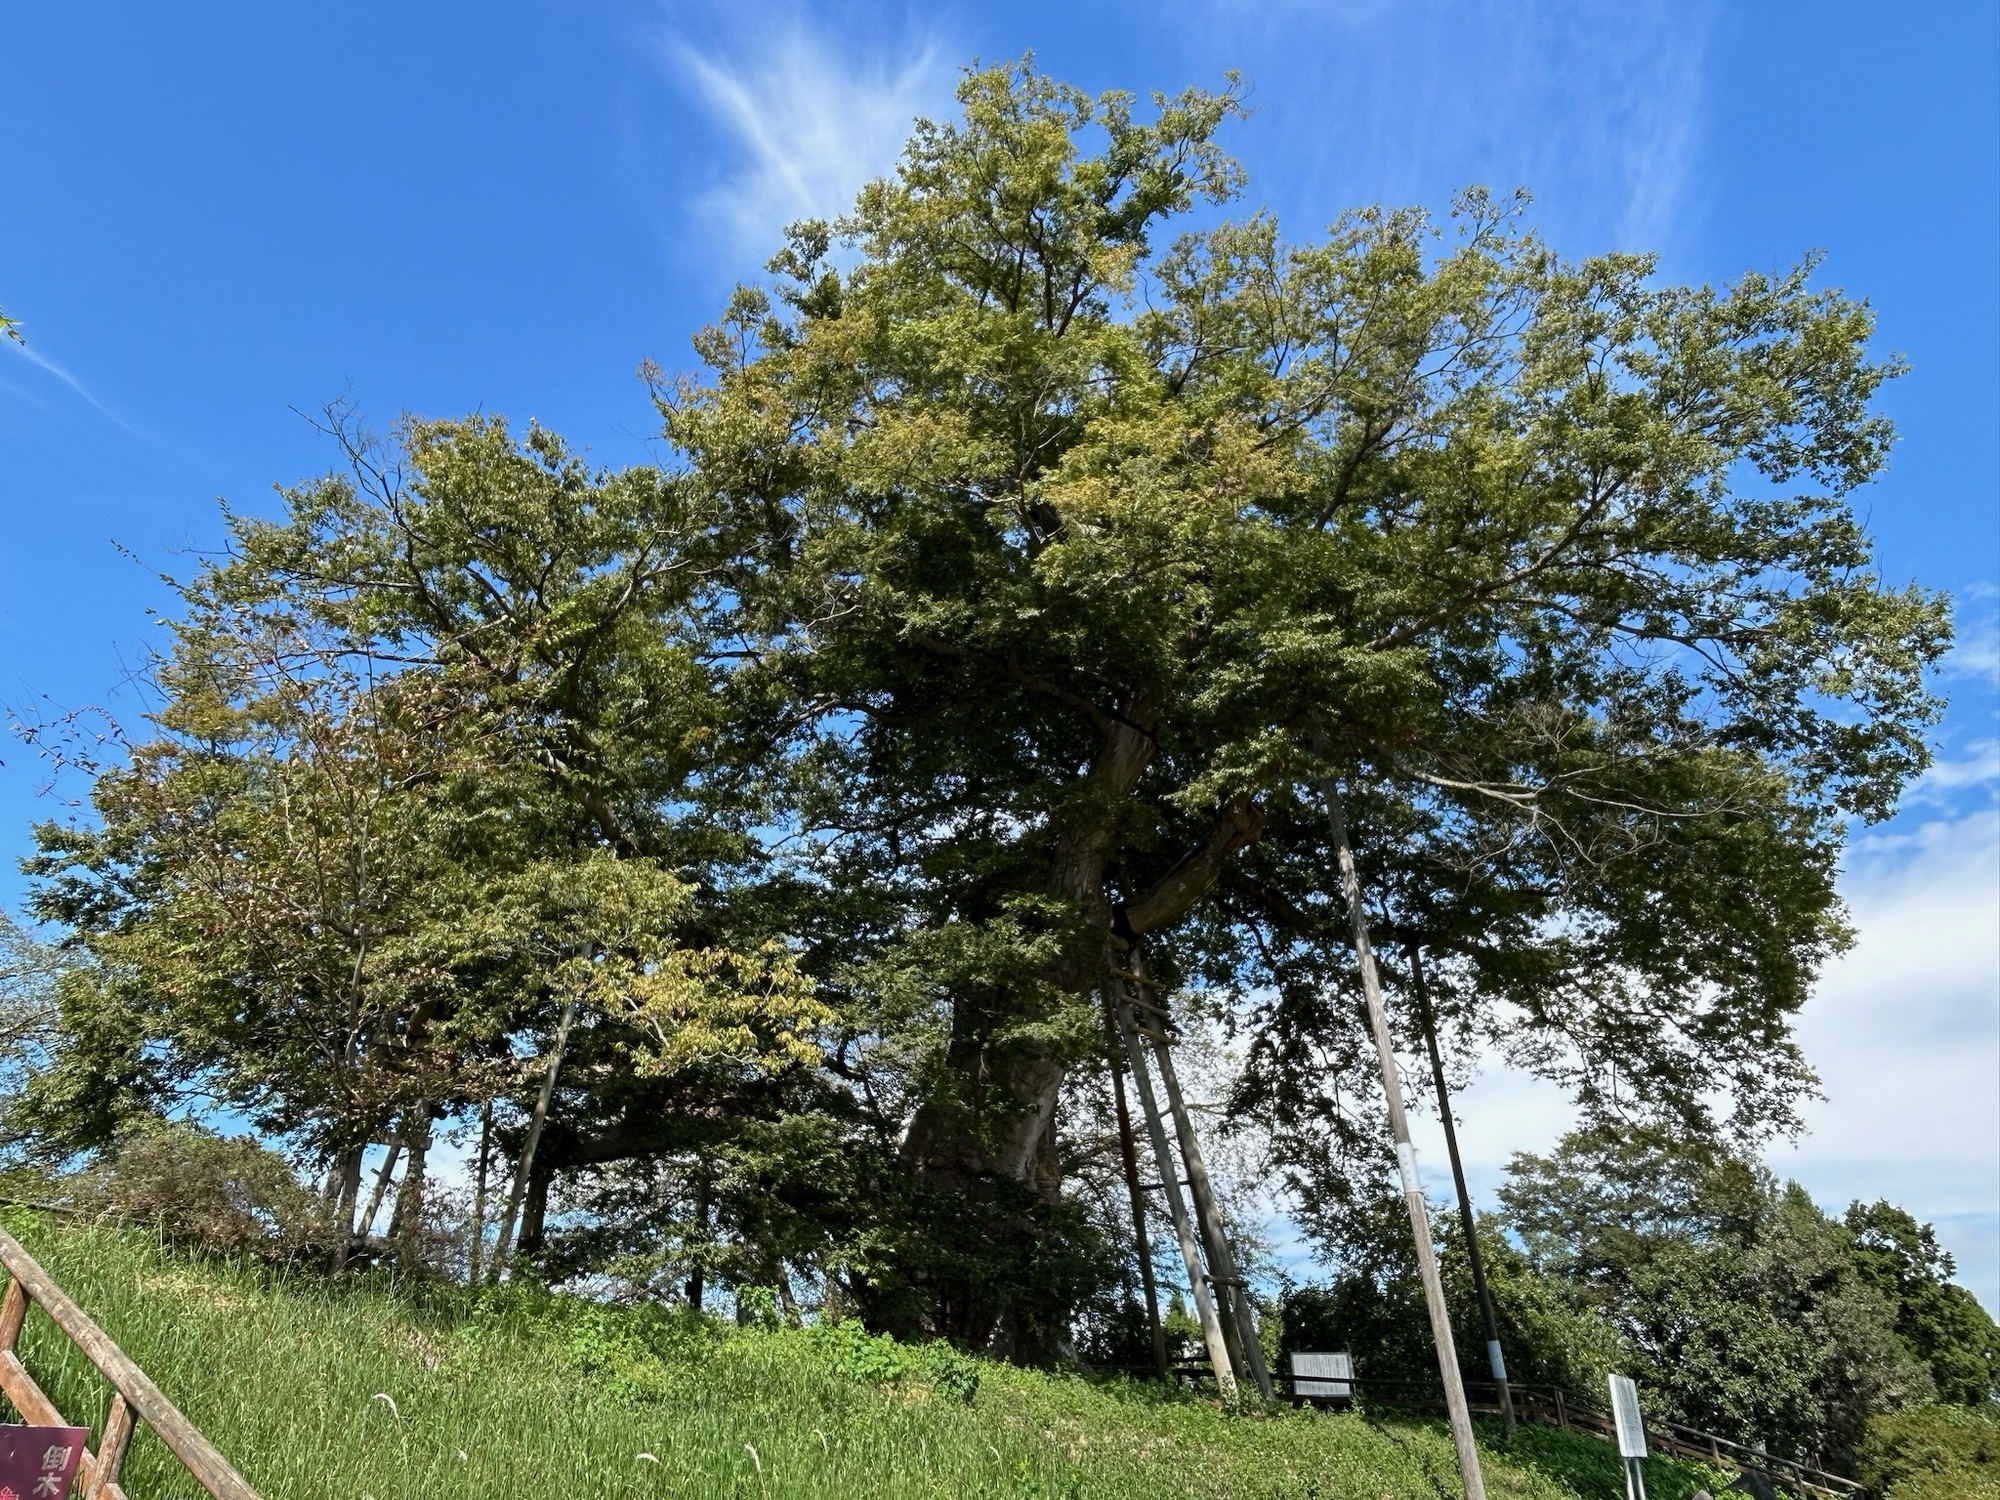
x: 134, y: 1397
x: 1221, y: 1299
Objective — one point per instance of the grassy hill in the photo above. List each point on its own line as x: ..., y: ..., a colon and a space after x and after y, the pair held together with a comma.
x: 318, y: 1393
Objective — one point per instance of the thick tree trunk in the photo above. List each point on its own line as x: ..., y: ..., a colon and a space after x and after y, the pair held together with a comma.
x: 344, y: 1199
x: 406, y: 1225
x: 1000, y: 1118
x: 535, y: 1213
x: 996, y: 1122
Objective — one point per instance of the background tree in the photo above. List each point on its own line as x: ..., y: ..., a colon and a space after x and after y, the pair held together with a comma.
x: 374, y: 848
x: 1739, y: 1307
x: 29, y: 973
x: 1938, y: 1321
x: 1750, y: 1312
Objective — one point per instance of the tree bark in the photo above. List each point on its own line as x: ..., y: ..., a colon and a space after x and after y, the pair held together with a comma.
x: 996, y: 1121
x: 406, y: 1225
x: 345, y: 1197
x: 535, y: 1211
x: 704, y: 1186
x: 1021, y: 1081
x: 997, y: 1117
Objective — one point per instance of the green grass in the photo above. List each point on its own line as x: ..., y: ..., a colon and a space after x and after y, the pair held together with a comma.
x: 323, y: 1393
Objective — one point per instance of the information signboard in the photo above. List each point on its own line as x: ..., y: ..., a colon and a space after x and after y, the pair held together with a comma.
x: 1625, y: 1412
x: 1323, y: 1377
x: 39, y: 1463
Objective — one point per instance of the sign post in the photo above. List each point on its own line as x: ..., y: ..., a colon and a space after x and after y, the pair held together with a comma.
x: 1631, y: 1435
x: 1323, y: 1377
x: 40, y: 1463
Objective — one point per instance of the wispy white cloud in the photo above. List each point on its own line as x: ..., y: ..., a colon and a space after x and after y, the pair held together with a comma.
x: 1905, y: 1033
x: 1976, y: 652
x: 1597, y: 110
x: 1661, y: 98
x: 811, y: 122
x: 48, y: 366
x: 1954, y: 775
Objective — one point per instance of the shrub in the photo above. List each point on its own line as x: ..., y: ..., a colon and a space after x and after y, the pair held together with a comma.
x: 630, y: 1353
x: 877, y: 1359
x: 199, y: 1189
x: 1932, y: 1453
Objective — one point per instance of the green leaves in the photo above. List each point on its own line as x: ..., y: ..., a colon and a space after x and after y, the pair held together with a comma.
x: 412, y: 786
x: 1750, y: 1312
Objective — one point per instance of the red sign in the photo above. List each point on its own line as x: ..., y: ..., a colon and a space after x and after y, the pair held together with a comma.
x: 39, y: 1463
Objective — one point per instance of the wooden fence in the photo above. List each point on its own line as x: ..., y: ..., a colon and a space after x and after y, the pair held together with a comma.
x: 134, y: 1397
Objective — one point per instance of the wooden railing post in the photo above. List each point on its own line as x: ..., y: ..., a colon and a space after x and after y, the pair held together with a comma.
x: 103, y: 1481
x: 135, y: 1394
x: 13, y: 1312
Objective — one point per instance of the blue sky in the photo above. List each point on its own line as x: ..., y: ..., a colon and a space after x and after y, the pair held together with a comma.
x: 213, y: 215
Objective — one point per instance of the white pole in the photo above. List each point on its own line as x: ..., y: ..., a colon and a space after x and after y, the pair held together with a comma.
x: 1456, y: 1410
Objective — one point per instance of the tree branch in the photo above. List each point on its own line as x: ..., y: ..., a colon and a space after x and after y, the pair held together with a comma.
x: 1239, y: 825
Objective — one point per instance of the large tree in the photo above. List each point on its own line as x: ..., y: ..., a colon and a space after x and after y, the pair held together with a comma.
x: 1084, y: 535
x: 1038, y: 550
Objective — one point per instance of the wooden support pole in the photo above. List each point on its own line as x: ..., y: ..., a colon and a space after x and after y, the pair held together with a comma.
x: 506, y: 1246
x: 111, y: 1448
x: 1495, y: 1359
x: 1202, y: 1212
x: 1406, y: 1154
x: 478, y: 1248
x: 13, y: 1313
x: 1231, y: 1293
x: 1149, y: 1108
x: 1128, y: 1153
x: 381, y: 1190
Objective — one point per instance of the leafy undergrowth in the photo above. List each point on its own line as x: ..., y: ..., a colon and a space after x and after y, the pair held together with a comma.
x: 1933, y: 1453
x: 323, y: 1393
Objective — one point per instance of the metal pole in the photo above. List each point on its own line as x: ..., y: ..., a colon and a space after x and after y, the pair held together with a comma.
x: 1494, y: 1358
x: 1406, y: 1154
x: 1204, y: 1305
